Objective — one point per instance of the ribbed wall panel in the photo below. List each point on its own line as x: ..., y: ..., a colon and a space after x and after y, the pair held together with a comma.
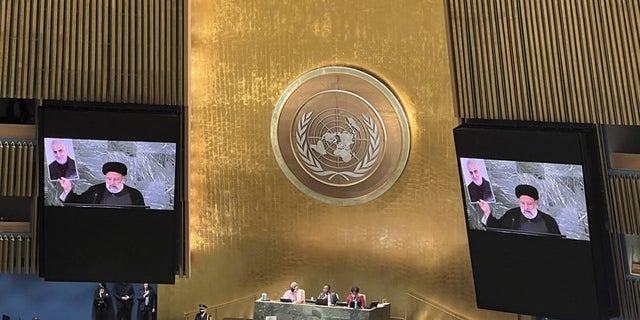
x: 559, y: 61
x: 14, y: 254
x: 16, y: 168
x: 82, y: 50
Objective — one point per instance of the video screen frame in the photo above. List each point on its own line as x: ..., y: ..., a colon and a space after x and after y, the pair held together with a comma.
x: 87, y: 243
x: 569, y: 278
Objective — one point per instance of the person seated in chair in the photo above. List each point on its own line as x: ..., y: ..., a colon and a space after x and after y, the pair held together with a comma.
x: 355, y: 299
x: 326, y: 294
x: 295, y: 294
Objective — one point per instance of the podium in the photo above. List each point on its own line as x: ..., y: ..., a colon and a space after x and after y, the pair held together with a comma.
x: 291, y: 311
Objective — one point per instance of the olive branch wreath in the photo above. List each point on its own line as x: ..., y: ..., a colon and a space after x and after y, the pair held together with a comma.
x: 316, y: 167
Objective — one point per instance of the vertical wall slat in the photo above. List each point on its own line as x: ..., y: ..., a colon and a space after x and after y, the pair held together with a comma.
x: 153, y: 59
x: 11, y: 168
x: 32, y: 33
x: 11, y: 256
x: 4, y: 253
x: 163, y: 44
x: 4, y: 43
x: 143, y: 81
x: 115, y: 37
x: 2, y: 164
x: 73, y: 60
x: 50, y: 51
x: 21, y: 43
x: 30, y: 170
x: 17, y: 186
x: 41, y: 71
x: 170, y: 81
x: 105, y: 45
x: 13, y: 42
x: 4, y: 179
x: 18, y: 255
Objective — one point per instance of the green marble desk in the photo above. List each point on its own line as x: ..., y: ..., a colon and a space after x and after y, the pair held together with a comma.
x: 290, y: 311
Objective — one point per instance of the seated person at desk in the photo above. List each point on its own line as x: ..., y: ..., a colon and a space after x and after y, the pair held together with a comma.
x: 359, y: 299
x: 326, y: 294
x: 295, y: 294
x: 112, y: 192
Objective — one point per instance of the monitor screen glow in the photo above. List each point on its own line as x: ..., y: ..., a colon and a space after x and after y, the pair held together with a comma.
x: 560, y: 188
x: 151, y: 168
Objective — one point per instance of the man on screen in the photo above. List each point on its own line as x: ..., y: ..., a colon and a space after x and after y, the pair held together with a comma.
x: 526, y: 218
x: 112, y: 192
x: 62, y: 166
x: 479, y: 188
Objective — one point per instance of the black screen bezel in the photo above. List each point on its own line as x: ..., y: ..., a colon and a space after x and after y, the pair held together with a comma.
x: 101, y: 244
x: 559, y: 278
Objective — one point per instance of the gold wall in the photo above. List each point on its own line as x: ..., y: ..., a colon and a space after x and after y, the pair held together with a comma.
x: 252, y: 231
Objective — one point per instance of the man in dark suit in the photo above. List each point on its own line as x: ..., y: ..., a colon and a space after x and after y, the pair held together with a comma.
x: 147, y: 303
x: 326, y: 294
x: 112, y: 192
x: 62, y: 166
x: 124, y: 300
x: 479, y: 188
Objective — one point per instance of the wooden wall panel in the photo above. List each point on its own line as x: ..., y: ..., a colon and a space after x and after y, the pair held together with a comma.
x: 81, y: 50
x: 559, y: 61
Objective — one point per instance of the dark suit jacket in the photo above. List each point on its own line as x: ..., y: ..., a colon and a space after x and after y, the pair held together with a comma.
x: 200, y: 316
x: 152, y: 299
x: 334, y: 297
x: 56, y: 170
x: 96, y: 192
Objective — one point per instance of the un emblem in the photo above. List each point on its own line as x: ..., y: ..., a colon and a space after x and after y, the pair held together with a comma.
x: 340, y: 135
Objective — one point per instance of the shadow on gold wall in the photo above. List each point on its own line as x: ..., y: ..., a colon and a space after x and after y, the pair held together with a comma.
x: 251, y: 230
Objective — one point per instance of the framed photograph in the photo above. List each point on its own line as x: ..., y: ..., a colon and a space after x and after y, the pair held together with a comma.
x: 477, y: 180
x: 61, y: 160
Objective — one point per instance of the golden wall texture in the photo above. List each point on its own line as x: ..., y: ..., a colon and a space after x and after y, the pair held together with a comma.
x: 252, y: 231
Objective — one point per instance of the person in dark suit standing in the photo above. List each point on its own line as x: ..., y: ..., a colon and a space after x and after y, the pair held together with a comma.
x: 102, y: 306
x: 62, y: 166
x: 202, y: 314
x: 112, y: 192
x: 123, y: 293
x: 147, y: 303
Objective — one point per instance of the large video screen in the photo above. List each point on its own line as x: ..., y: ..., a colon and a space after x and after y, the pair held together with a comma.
x: 111, y: 195
x: 532, y: 195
